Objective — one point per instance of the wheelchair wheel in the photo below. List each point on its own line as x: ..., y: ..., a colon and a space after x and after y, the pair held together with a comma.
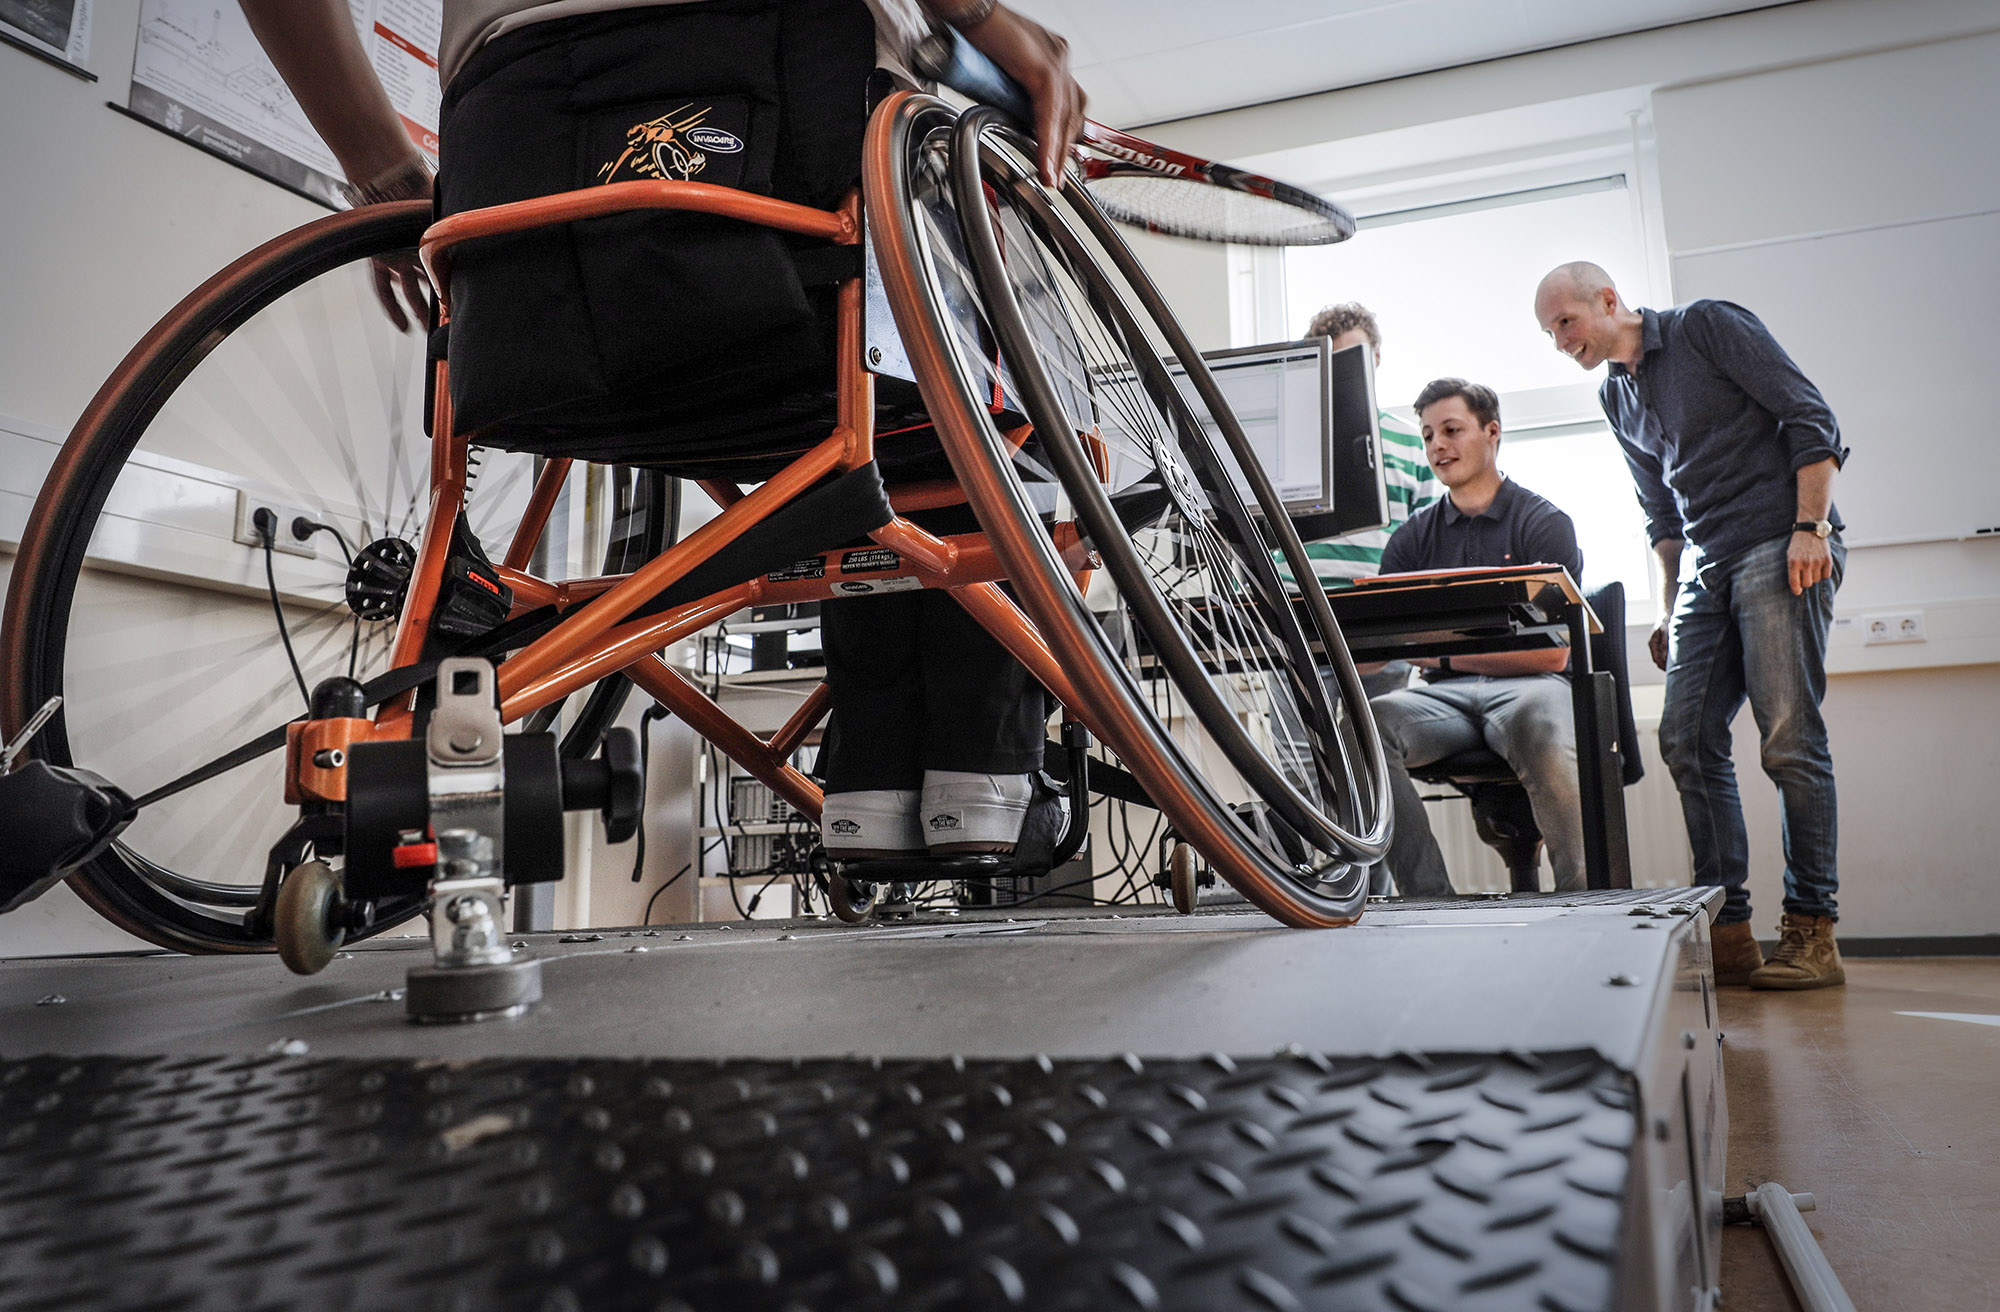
x: 278, y: 382
x: 1193, y: 662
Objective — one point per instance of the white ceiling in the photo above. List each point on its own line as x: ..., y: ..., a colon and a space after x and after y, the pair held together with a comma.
x: 1143, y: 61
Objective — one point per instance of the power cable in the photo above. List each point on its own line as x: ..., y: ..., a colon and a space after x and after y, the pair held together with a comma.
x: 266, y: 522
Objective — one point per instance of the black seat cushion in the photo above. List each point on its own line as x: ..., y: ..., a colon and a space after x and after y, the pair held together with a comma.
x: 653, y: 337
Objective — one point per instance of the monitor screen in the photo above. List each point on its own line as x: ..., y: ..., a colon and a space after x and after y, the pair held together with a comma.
x: 1309, y: 414
x: 1354, y: 451
x: 1280, y: 397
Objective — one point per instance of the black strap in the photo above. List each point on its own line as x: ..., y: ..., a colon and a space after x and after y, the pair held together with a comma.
x: 1105, y: 779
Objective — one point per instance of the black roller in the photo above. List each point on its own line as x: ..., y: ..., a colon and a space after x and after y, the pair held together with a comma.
x: 388, y: 796
x: 534, y: 824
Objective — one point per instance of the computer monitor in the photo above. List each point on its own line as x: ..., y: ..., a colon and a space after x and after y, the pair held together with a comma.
x: 1309, y: 414
x: 1360, y: 498
x: 1311, y: 417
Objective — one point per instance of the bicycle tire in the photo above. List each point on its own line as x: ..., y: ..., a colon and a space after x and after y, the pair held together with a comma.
x: 929, y: 318
x: 155, y: 900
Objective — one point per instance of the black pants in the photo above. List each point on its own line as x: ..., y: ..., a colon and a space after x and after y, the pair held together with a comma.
x: 918, y: 685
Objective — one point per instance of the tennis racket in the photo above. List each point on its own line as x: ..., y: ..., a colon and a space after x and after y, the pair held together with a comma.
x: 1145, y: 185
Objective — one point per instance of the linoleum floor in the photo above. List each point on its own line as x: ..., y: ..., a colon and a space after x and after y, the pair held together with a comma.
x: 1891, y: 1119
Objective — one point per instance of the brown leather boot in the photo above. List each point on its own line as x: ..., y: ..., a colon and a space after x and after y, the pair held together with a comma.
x: 1735, y: 951
x: 1807, y: 957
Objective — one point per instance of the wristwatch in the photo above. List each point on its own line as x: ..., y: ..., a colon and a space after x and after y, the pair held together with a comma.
x: 1819, y: 528
x: 1444, y: 665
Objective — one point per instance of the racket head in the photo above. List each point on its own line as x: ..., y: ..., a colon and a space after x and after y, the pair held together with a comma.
x: 1259, y: 212
x: 1150, y: 186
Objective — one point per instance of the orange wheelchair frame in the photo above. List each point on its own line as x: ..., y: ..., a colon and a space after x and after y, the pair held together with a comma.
x: 601, y: 640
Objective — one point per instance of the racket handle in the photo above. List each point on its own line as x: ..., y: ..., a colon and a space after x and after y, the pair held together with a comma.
x: 946, y: 56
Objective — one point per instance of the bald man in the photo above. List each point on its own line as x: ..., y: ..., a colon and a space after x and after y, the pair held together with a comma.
x: 1733, y: 451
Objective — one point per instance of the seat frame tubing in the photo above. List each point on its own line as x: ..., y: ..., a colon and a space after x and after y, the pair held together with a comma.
x: 598, y: 635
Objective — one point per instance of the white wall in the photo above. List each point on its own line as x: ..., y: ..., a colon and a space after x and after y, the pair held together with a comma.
x: 105, y: 223
x: 1814, y: 116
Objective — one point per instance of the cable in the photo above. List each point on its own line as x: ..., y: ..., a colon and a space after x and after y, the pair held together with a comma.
x: 303, y: 528
x: 266, y: 522
x: 1074, y: 883
x: 646, y: 918
x: 652, y: 713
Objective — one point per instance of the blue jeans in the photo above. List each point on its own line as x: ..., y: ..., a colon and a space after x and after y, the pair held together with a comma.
x: 1528, y: 721
x: 1738, y: 632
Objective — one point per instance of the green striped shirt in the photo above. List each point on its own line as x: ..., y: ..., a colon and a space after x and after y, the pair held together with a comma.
x: 1411, y: 486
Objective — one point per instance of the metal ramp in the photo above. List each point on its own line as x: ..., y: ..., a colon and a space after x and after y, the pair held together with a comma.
x: 684, y: 1125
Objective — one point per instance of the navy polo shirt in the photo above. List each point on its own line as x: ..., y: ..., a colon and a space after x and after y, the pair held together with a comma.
x: 1519, y: 528
x: 1716, y: 421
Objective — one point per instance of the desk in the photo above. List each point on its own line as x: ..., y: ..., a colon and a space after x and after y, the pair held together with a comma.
x: 1515, y: 608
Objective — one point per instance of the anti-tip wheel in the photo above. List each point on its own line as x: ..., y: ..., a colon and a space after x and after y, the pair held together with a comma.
x: 1180, y: 874
x: 308, y: 924
x: 851, y: 901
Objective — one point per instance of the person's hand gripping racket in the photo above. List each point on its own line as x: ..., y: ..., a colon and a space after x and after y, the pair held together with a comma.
x: 1132, y: 180
x: 1038, y: 60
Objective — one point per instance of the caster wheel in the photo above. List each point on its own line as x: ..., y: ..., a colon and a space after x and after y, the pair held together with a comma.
x: 851, y: 901
x: 308, y: 925
x: 1180, y: 874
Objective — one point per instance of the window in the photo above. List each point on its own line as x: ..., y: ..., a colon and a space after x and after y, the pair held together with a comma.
x: 1452, y: 287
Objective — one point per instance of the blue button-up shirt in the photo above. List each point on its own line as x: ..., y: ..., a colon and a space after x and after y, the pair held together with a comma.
x: 1716, y: 421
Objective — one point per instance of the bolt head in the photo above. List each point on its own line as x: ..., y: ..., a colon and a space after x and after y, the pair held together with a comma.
x: 461, y: 909
x: 465, y: 740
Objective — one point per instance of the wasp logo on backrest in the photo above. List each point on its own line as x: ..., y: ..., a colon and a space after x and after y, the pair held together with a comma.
x: 675, y: 146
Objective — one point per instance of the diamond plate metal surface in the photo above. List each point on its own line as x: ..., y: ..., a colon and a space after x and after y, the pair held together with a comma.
x: 1289, y: 1182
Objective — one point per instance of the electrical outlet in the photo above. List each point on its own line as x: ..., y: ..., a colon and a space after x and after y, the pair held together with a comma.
x: 1893, y: 626
x: 247, y: 507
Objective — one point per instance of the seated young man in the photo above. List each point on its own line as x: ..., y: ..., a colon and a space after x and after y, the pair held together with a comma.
x: 648, y: 338
x: 1515, y: 703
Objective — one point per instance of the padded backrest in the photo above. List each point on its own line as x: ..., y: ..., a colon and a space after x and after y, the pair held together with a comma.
x: 1607, y: 652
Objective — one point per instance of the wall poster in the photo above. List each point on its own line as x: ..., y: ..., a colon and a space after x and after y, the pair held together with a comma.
x: 199, y: 73
x: 52, y: 27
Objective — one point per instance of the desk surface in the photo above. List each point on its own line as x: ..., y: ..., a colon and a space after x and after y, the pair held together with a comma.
x: 1459, y: 612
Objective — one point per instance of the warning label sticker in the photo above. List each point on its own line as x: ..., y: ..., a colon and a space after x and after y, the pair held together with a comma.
x: 864, y: 587
x: 813, y: 568
x: 869, y: 560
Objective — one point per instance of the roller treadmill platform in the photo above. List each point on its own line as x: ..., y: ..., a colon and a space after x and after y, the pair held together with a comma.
x: 1510, y: 1103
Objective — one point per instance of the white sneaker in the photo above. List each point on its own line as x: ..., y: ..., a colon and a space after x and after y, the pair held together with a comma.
x: 964, y: 812
x: 881, y: 822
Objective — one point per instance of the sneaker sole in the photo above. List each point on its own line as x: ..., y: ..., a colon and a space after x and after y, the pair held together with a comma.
x: 1835, y: 980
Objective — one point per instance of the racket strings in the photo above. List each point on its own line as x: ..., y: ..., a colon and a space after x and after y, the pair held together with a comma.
x: 1189, y: 207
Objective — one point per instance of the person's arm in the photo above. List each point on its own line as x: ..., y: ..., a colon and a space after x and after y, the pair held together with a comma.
x: 1033, y: 56
x: 1669, y: 552
x: 1809, y: 560
x: 1741, y: 349
x: 315, y: 48
x: 1649, y: 479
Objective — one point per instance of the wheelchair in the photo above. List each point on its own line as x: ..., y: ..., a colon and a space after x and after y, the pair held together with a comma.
x: 1129, y: 548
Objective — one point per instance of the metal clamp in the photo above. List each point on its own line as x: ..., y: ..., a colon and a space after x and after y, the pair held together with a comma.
x: 475, y: 975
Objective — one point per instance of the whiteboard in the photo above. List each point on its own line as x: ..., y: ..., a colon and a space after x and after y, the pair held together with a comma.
x: 1899, y: 325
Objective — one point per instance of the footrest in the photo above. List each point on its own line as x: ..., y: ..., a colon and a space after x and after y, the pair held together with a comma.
x: 927, y: 869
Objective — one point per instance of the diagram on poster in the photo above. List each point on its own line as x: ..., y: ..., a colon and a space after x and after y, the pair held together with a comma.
x: 199, y: 73
x: 56, y: 27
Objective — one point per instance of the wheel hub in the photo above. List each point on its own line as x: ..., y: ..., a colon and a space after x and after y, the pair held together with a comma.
x: 380, y: 578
